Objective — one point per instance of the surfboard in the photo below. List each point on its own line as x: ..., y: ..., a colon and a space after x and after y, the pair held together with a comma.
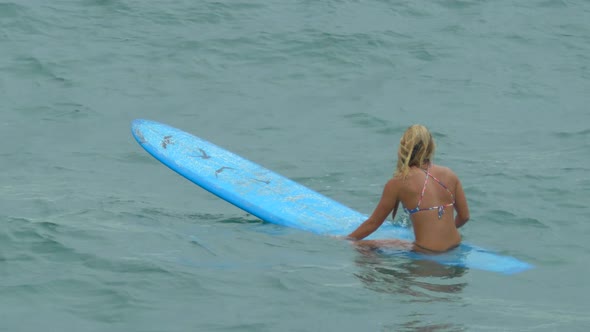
x: 279, y: 200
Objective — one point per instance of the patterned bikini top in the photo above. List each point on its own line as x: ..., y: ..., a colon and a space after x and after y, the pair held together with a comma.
x: 441, y: 208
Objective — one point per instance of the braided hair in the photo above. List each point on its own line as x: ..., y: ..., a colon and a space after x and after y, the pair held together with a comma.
x: 416, y: 148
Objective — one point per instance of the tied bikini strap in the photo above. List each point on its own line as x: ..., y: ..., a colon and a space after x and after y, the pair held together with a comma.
x: 427, y: 171
x: 441, y: 208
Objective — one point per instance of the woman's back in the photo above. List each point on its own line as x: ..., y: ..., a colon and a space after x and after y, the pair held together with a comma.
x: 428, y: 195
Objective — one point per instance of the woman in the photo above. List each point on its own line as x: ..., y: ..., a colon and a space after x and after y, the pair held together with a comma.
x: 429, y: 193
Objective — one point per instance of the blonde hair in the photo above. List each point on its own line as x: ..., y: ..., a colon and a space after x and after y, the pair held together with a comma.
x: 416, y: 148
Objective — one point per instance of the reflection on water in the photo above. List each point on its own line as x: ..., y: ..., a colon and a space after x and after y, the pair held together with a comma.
x: 423, y: 280
x: 415, y: 281
x: 417, y: 325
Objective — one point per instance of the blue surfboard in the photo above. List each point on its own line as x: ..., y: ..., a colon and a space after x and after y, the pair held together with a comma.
x: 276, y: 199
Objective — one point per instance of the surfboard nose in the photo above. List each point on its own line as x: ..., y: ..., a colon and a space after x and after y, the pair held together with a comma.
x: 136, y: 126
x: 137, y: 122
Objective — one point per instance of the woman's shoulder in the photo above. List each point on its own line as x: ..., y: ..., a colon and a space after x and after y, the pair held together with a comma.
x: 442, y: 168
x: 444, y: 171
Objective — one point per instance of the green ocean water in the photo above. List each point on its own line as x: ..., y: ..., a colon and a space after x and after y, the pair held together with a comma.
x: 98, y: 236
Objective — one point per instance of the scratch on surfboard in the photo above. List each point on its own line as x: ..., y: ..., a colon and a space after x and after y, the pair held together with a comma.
x: 217, y: 172
x: 167, y: 141
x: 203, y: 155
x: 139, y: 135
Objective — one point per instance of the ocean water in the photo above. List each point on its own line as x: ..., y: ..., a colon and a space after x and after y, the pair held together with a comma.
x: 98, y: 236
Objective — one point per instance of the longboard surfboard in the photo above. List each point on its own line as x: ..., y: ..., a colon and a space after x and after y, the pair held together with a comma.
x: 279, y: 200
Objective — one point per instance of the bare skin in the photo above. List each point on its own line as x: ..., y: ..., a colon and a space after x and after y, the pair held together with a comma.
x: 432, y: 234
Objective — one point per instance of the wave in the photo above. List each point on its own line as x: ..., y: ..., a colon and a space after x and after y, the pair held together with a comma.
x: 585, y: 133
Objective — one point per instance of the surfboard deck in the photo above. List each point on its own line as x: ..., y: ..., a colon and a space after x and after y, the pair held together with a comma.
x: 279, y: 200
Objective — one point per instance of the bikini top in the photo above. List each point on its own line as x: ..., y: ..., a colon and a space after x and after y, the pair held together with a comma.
x: 441, y: 208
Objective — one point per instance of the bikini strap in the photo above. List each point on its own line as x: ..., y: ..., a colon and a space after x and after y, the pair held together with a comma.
x: 442, y: 185
x: 427, y: 171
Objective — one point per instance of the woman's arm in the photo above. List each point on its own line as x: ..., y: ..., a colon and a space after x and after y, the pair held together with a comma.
x: 388, y: 202
x: 460, y: 206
